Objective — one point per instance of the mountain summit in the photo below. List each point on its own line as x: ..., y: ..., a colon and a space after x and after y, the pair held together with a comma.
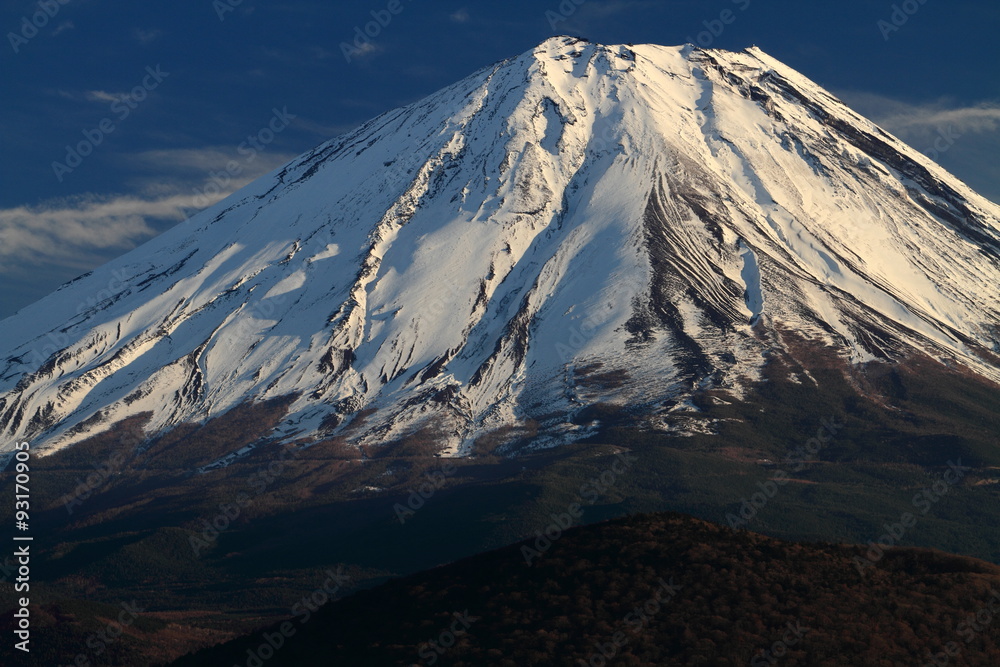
x: 580, y: 224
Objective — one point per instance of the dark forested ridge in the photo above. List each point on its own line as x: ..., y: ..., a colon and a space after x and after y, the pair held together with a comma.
x: 657, y: 589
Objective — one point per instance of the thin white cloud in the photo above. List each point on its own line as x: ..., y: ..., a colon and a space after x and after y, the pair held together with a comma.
x: 981, y: 118
x: 926, y: 118
x: 73, y: 232
x: 319, y: 53
x: 325, y: 131
x: 965, y: 139
x: 146, y: 36
x: 157, y: 174
x: 461, y: 16
x: 188, y: 159
x: 101, y: 96
x: 63, y: 27
x: 364, y: 49
x: 83, y: 232
x: 188, y: 168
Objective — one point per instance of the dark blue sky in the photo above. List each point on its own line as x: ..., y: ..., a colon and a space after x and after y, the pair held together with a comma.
x: 159, y: 140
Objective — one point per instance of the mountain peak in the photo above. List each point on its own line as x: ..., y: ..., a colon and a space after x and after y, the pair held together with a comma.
x: 587, y: 224
x: 562, y: 42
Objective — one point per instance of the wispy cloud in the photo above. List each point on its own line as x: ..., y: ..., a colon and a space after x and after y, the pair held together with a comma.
x: 324, y: 131
x: 146, y: 36
x: 188, y: 162
x: 194, y: 170
x: 82, y: 232
x: 461, y: 16
x: 981, y: 118
x: 319, y: 53
x: 926, y: 118
x: 63, y: 27
x: 102, y: 96
x: 364, y: 49
x: 73, y: 232
x: 964, y: 138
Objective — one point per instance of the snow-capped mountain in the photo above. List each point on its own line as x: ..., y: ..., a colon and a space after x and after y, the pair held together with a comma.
x: 579, y: 224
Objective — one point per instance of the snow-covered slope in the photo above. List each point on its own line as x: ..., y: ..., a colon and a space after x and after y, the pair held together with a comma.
x: 581, y: 223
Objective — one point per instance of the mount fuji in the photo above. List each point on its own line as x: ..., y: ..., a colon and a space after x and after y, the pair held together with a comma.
x: 579, y: 225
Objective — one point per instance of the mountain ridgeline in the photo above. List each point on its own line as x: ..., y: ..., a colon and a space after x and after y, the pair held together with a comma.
x: 579, y: 225
x: 652, y: 591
